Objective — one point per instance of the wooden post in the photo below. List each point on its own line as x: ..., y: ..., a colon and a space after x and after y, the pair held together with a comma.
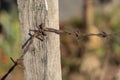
x: 42, y: 60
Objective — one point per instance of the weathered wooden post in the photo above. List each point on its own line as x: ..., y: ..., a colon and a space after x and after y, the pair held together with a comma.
x: 42, y: 60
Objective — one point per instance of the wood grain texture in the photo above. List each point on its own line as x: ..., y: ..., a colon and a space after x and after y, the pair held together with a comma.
x: 42, y: 61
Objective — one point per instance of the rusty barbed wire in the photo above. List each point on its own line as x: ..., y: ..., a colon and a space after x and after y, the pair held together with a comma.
x: 25, y: 48
x: 42, y: 32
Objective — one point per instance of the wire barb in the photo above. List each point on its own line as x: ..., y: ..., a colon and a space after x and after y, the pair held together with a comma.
x: 12, y: 60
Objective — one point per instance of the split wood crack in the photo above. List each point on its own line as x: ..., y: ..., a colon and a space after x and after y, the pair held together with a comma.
x: 42, y: 32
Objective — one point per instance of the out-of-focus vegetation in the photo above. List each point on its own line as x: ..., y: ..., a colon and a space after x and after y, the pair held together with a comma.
x: 9, y: 35
x: 79, y: 64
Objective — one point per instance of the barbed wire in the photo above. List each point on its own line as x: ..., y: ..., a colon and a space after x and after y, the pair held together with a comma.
x: 42, y: 32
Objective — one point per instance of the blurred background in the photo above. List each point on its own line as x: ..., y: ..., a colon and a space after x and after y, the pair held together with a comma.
x: 89, y: 58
